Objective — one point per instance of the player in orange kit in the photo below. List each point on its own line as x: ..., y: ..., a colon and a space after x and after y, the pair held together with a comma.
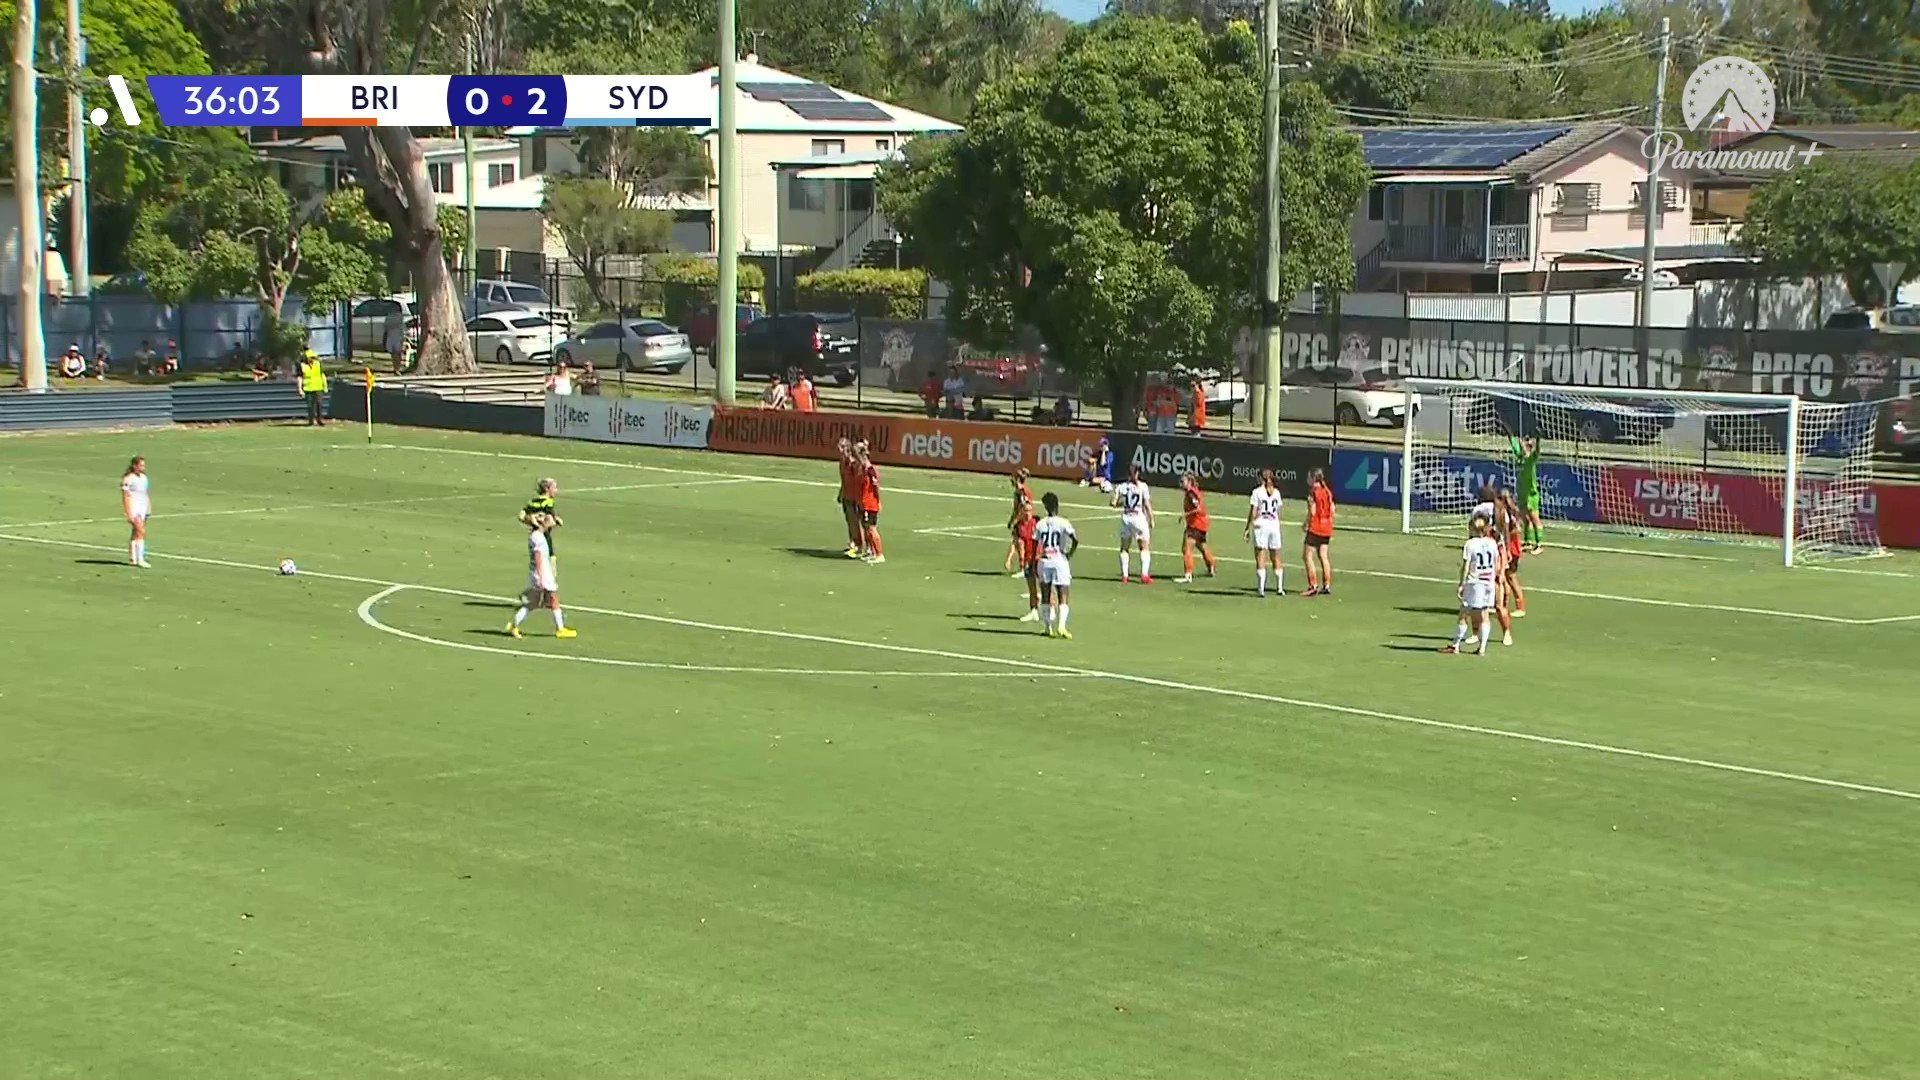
x: 1022, y: 503
x: 1318, y: 535
x: 869, y: 506
x: 1194, y: 508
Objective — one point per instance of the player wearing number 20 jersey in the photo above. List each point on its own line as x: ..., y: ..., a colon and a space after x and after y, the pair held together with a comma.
x: 1055, y: 541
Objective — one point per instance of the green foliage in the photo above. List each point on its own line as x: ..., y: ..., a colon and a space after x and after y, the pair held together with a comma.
x: 1108, y: 199
x: 1837, y: 217
x: 235, y: 232
x: 664, y: 50
x: 453, y: 230
x: 702, y: 272
x: 593, y: 219
x: 644, y: 160
x: 881, y: 293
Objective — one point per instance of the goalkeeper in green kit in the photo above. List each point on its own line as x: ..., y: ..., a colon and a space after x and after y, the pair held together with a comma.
x: 1526, y: 470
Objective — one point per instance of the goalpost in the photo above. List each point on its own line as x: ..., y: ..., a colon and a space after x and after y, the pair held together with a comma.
x: 1754, y: 468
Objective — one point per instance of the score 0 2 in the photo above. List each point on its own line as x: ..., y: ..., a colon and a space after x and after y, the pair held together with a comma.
x: 507, y: 100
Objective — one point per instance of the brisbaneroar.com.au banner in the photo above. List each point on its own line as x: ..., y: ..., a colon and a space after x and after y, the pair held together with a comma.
x: 1624, y: 495
x: 634, y: 421
x: 974, y: 446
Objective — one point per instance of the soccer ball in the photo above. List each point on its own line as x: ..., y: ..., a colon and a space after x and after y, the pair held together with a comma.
x: 287, y: 569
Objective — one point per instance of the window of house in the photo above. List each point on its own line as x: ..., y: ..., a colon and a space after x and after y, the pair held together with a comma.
x: 500, y: 174
x: 440, y: 176
x: 806, y: 194
x: 883, y: 144
x: 860, y: 196
x: 1376, y: 203
x: 823, y: 147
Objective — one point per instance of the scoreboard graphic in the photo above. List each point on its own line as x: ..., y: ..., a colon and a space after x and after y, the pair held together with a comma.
x: 434, y: 100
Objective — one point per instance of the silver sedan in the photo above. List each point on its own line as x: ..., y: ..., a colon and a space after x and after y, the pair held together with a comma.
x: 635, y: 345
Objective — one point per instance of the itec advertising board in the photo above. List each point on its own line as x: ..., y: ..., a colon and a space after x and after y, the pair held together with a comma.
x: 635, y: 421
x: 1620, y: 494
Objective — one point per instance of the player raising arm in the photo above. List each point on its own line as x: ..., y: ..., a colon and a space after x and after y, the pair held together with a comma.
x: 543, y: 584
x: 135, y: 504
x: 1056, y: 540
x: 1194, y: 508
x: 1136, y: 523
x: 1526, y: 470
x: 1516, y: 598
x: 1263, y: 528
x: 1479, y: 574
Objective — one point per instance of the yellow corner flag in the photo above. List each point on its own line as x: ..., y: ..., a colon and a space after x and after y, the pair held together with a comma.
x: 369, y: 372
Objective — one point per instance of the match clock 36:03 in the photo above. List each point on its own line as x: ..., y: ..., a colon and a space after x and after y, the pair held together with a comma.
x: 507, y: 100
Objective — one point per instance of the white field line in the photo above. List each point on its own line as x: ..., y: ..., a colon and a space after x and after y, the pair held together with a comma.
x: 1350, y: 711
x: 362, y: 503
x: 1866, y: 573
x: 365, y: 611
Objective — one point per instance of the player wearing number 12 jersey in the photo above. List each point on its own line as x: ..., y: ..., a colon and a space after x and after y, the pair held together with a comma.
x: 1136, y: 523
x: 1056, y: 541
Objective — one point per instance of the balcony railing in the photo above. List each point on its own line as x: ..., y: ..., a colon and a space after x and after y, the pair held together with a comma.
x: 1474, y: 244
x: 1511, y: 243
x: 1713, y: 232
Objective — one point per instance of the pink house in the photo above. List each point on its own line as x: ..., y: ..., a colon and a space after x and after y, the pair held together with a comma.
x: 1516, y: 208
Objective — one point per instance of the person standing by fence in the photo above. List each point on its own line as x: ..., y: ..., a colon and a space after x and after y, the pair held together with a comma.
x: 313, y: 386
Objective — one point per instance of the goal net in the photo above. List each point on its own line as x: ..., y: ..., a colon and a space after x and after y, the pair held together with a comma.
x: 1755, y: 468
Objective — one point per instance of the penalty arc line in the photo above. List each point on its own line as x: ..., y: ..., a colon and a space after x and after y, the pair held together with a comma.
x: 1351, y: 711
x: 365, y: 611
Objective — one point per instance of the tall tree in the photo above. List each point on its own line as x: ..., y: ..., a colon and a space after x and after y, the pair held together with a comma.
x: 594, y: 219
x: 645, y: 163
x: 1105, y: 198
x: 1837, y: 217
x: 353, y: 37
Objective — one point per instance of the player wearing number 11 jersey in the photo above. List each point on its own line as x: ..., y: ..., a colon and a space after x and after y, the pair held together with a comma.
x: 1480, y: 566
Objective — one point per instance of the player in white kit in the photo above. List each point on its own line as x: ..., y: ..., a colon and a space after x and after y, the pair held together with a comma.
x: 1056, y: 541
x: 136, y: 505
x: 1136, y: 523
x: 1480, y: 564
x: 1263, y: 528
x: 543, y: 584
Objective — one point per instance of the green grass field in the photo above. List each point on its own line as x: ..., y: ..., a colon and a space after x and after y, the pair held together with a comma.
x: 775, y: 813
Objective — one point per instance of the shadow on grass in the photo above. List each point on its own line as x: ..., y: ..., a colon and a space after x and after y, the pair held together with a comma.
x: 836, y: 554
x: 1008, y: 574
x: 982, y: 615
x: 504, y: 605
x: 1002, y: 630
x: 1402, y: 647
x: 101, y: 562
x: 1429, y: 610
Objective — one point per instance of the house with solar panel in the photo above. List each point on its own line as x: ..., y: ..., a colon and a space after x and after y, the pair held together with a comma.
x: 1520, y: 208
x: 809, y: 155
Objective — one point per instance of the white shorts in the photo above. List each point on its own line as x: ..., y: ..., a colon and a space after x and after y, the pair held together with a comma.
x: 1056, y: 572
x: 1134, y: 527
x: 550, y: 585
x: 1266, y: 536
x: 139, y: 516
x: 1477, y: 596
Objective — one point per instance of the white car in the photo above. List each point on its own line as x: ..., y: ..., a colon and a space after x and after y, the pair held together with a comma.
x: 521, y: 295
x: 1341, y: 395
x: 513, y: 337
x: 632, y: 345
x: 368, y: 322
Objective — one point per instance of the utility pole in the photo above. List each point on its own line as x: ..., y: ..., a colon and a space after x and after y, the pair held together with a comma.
x: 1650, y: 199
x: 466, y: 141
x: 26, y: 193
x: 727, y: 238
x: 1270, y: 310
x: 78, y: 269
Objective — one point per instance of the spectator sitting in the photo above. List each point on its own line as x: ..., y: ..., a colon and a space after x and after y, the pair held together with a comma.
x: 260, y: 369
x: 589, y: 380
x: 143, y: 358
x: 101, y: 362
x: 1041, y: 415
x: 980, y: 411
x: 1063, y: 411
x: 73, y: 362
x: 776, y: 396
x: 930, y: 394
x: 954, y: 390
x: 170, y: 364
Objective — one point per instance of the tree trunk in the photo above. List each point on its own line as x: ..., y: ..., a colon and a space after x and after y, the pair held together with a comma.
x: 1123, y: 389
x: 393, y: 172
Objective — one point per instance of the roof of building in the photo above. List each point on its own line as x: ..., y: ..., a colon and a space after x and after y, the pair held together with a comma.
x: 1683, y: 253
x: 1519, y: 151
x: 1845, y: 136
x: 429, y: 147
x: 530, y: 193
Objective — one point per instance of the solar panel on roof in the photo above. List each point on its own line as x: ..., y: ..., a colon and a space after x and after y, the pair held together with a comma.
x: 1451, y: 147
x: 791, y: 91
x: 838, y: 110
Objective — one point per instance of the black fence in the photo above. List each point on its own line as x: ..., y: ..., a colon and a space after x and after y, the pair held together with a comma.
x: 203, y: 334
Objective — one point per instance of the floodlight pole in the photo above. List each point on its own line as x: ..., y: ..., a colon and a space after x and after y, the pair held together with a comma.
x: 26, y: 191
x: 1270, y: 309
x: 727, y: 239
x: 470, y: 248
x: 79, y: 280
x: 1650, y: 199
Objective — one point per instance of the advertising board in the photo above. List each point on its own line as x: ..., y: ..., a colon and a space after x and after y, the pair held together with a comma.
x: 1051, y: 452
x: 634, y: 421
